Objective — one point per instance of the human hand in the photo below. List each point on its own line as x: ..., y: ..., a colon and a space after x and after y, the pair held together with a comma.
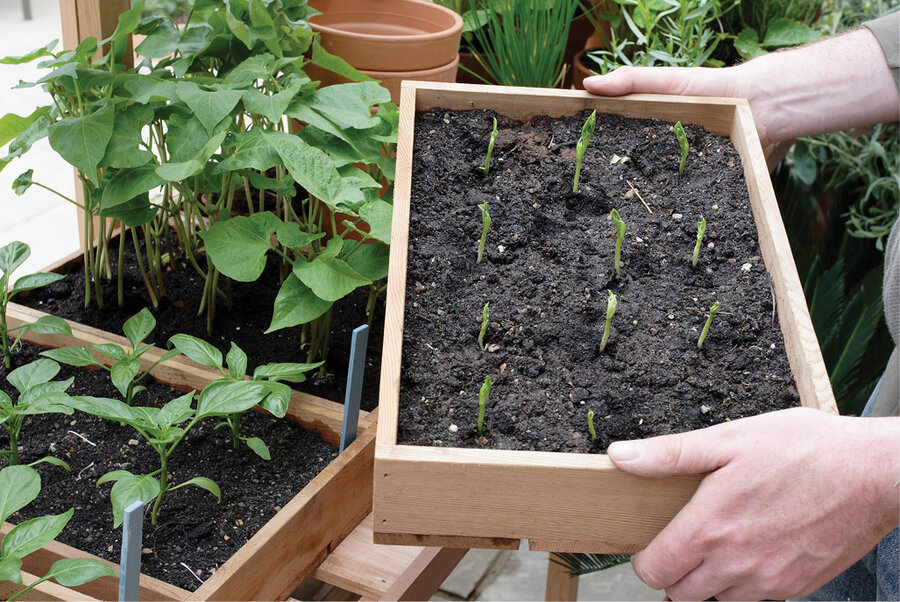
x: 792, y: 499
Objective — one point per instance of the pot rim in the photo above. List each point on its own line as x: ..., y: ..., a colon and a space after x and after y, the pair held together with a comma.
x: 413, y: 73
x: 455, y: 29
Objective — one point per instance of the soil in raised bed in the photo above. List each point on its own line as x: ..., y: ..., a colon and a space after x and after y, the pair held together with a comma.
x: 192, y: 528
x: 547, y: 266
x: 244, y: 322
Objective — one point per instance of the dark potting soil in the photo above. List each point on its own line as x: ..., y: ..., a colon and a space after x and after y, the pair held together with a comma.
x: 192, y: 527
x: 244, y: 322
x: 547, y: 266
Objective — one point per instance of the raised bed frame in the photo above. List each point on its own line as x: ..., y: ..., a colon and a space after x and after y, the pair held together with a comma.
x: 559, y: 502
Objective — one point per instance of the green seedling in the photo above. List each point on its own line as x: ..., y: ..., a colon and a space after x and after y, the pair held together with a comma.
x: 713, y: 310
x: 620, y: 235
x: 21, y: 485
x: 701, y: 231
x: 487, y: 158
x: 587, y: 130
x: 12, y: 256
x: 485, y: 317
x: 125, y: 371
x: 160, y: 428
x: 683, y: 143
x: 610, y: 312
x: 482, y: 401
x: 485, y: 226
x: 38, y: 394
x: 234, y: 369
x: 590, y: 417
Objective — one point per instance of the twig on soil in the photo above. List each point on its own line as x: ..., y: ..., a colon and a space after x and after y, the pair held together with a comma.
x: 638, y: 194
x: 78, y: 478
x: 772, y: 292
x: 83, y: 438
x: 192, y: 572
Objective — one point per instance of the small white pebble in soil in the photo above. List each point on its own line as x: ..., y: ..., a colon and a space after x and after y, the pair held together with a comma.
x: 237, y: 327
x: 634, y: 323
x: 500, y: 248
x: 677, y: 216
x: 581, y: 402
x: 709, y: 270
x: 704, y: 409
x: 73, y: 423
x: 453, y: 428
x: 536, y: 206
x: 133, y: 442
x: 493, y: 348
x: 638, y: 240
x: 772, y: 346
x: 715, y: 207
x: 51, y: 448
x: 671, y: 316
x: 239, y: 522
x: 146, y: 551
x: 746, y: 268
x: 502, y: 368
x: 225, y: 537
x: 711, y: 245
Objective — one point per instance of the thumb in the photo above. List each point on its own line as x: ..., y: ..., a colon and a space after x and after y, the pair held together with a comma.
x: 695, y: 452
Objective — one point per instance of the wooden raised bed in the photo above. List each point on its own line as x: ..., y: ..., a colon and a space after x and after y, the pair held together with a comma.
x: 558, y: 501
x: 294, y: 542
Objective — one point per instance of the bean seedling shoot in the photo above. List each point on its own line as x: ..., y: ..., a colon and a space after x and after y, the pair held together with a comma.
x: 683, y: 143
x: 610, y: 312
x: 485, y: 226
x: 713, y: 310
x: 485, y: 316
x: 620, y: 234
x: 701, y: 230
x: 590, y: 417
x: 587, y: 130
x: 487, y: 158
x: 482, y: 401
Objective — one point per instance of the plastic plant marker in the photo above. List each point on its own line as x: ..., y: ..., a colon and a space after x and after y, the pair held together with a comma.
x: 130, y: 564
x: 354, y: 385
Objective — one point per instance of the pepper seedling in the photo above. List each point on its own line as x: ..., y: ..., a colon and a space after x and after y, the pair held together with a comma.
x: 587, y: 130
x: 485, y: 226
x: 482, y: 401
x: 487, y: 158
x: 610, y: 312
x: 485, y: 316
x: 683, y: 143
x: 701, y: 231
x: 713, y: 310
x: 620, y: 235
x: 590, y: 417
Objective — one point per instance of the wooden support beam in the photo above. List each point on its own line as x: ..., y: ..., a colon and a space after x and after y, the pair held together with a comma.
x: 560, y: 584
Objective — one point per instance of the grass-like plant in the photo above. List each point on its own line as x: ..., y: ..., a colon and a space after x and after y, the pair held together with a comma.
x: 485, y: 226
x: 619, y: 223
x: 485, y: 317
x: 590, y: 420
x: 611, y: 303
x: 701, y: 231
x: 587, y: 130
x: 483, y: 395
x: 12, y: 256
x: 683, y: 143
x: 487, y: 158
x: 713, y: 310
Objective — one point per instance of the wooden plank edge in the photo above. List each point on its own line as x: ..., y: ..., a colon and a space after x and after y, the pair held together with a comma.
x: 47, y: 590
x: 445, y: 541
x: 425, y: 574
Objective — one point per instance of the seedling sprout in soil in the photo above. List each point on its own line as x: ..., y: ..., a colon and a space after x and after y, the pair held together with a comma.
x: 713, y: 310
x: 12, y: 256
x: 485, y: 316
x: 590, y: 417
x: 22, y: 485
x: 587, y: 130
x: 482, y: 401
x: 485, y: 226
x: 701, y: 230
x: 610, y: 312
x: 487, y: 159
x: 683, y: 143
x: 620, y: 234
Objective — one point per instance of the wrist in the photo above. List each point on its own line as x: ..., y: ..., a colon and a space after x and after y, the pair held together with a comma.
x: 878, y: 453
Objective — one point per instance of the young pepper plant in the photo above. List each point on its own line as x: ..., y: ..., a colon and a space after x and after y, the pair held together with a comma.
x: 485, y: 318
x: 21, y: 485
x: 160, y: 428
x: 587, y: 130
x: 234, y: 369
x: 12, y: 256
x: 590, y: 421
x: 611, y: 304
x: 620, y: 235
x: 701, y: 231
x: 487, y: 158
x: 125, y: 371
x: 713, y: 310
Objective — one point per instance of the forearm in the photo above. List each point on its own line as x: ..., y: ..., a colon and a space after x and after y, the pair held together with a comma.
x: 880, y: 444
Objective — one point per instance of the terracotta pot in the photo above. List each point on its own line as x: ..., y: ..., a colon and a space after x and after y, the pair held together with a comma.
x: 388, y: 35
x: 579, y: 71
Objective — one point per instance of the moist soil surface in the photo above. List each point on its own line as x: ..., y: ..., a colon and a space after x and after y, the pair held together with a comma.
x: 244, y: 321
x: 192, y: 527
x: 548, y: 263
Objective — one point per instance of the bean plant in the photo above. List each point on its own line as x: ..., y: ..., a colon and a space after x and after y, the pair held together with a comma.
x: 620, y: 235
x: 485, y: 318
x: 125, y: 372
x: 701, y: 231
x: 483, y: 395
x: 234, y: 369
x: 590, y: 421
x: 21, y: 485
x: 611, y: 303
x: 485, y: 226
x: 587, y: 130
x: 12, y: 256
x: 713, y: 310
x: 164, y: 429
x: 487, y: 158
x: 682, y: 143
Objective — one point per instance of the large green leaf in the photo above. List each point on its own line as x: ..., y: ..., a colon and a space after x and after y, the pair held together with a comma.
x: 370, y: 260
x: 130, y: 489
x: 124, y: 148
x: 19, y: 485
x: 210, y: 107
x: 229, y: 398
x: 259, y: 447
x: 787, y: 32
x: 271, y: 106
x: 378, y: 215
x: 176, y: 172
x: 252, y: 150
x: 138, y: 327
x: 238, y: 246
x: 278, y: 400
x: 336, y: 64
x: 129, y: 183
x: 123, y: 372
x: 309, y: 166
x: 34, y: 54
x: 82, y: 141
x: 204, y: 483
x: 72, y: 572
x: 177, y: 410
x: 237, y: 362
x: 71, y: 356
x: 31, y: 374
x: 34, y: 534
x: 136, y: 212
x: 348, y: 105
x: 11, y: 569
x: 146, y: 88
x: 13, y: 255
x: 12, y: 125
x: 296, y: 304
x: 328, y: 276
x: 104, y: 407
x: 33, y: 281
x: 290, y: 234
x: 197, y: 349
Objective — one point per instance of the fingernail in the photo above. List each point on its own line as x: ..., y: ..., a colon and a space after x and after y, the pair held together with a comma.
x: 625, y: 451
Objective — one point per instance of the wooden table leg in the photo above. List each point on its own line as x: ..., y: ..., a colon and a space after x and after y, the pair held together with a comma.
x: 560, y: 584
